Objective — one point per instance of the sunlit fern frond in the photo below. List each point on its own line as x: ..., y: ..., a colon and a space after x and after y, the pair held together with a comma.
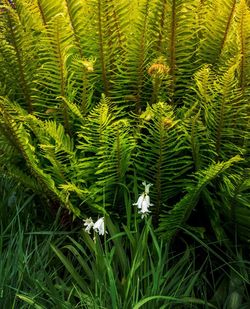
x: 49, y: 9
x: 135, y: 88
x: 163, y: 155
x: 103, y: 38
x: 12, y: 119
x: 29, y: 16
x: 92, y: 137
x: 16, y: 50
x: 54, y: 54
x: 115, y: 164
x: 175, y: 38
x: 217, y: 32
x: 56, y: 149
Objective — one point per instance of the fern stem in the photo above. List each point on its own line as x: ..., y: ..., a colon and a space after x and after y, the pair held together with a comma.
x: 220, y: 128
x: 118, y: 30
x: 41, y: 13
x: 156, y: 89
x: 11, y: 133
x: 140, y: 70
x: 242, y: 47
x: 62, y: 81
x: 84, y: 92
x: 172, y: 59
x: 23, y: 82
x: 195, y: 155
x: 162, y: 22
x: 229, y: 21
x: 76, y: 37
x: 101, y: 49
x: 158, y: 180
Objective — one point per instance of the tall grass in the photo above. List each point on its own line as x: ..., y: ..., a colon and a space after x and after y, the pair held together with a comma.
x: 26, y: 260
x: 43, y: 266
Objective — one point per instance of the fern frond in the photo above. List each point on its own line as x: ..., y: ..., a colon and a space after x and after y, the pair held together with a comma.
x: 55, y: 53
x: 49, y: 9
x: 75, y: 11
x: 164, y: 149
x: 229, y: 135
x: 106, y: 143
x: 243, y: 40
x: 135, y: 86
x: 92, y: 138
x: 217, y: 32
x: 175, y: 38
x: 21, y: 137
x: 221, y: 102
x: 170, y: 223
x: 115, y: 157
x: 16, y: 49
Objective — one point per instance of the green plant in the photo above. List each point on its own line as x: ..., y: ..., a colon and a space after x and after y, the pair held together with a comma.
x: 131, y: 268
x: 24, y: 247
x: 112, y: 98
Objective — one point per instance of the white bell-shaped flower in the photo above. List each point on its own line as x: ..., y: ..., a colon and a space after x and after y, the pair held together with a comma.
x: 99, y: 226
x: 140, y: 201
x: 146, y: 203
x: 143, y: 202
x: 145, y: 206
x: 89, y: 224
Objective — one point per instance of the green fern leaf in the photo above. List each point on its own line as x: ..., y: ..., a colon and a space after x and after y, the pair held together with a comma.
x: 170, y: 223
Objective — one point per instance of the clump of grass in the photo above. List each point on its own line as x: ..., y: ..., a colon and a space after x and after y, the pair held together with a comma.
x: 43, y: 266
x: 26, y: 259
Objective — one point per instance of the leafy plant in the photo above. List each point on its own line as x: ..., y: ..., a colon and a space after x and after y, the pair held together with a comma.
x: 112, y: 98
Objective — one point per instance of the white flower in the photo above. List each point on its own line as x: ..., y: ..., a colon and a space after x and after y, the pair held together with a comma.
x: 89, y: 224
x: 143, y: 203
x: 145, y: 206
x: 146, y: 203
x: 147, y: 186
x: 99, y: 226
x: 140, y: 201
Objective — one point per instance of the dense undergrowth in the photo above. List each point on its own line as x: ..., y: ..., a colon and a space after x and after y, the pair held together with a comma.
x: 47, y: 265
x: 96, y: 98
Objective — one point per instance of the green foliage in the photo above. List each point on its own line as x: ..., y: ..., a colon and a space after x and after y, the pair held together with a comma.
x: 24, y: 248
x: 132, y: 268
x: 42, y: 266
x: 182, y: 210
x: 97, y: 96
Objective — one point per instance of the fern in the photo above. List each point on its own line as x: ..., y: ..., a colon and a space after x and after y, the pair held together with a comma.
x: 175, y: 38
x: 221, y: 102
x: 54, y: 55
x: 16, y: 51
x: 82, y: 87
x: 135, y: 80
x: 115, y: 162
x: 170, y: 223
x: 164, y: 150
x: 243, y: 37
x: 104, y: 146
x: 13, y: 122
x: 217, y: 32
x: 49, y: 9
